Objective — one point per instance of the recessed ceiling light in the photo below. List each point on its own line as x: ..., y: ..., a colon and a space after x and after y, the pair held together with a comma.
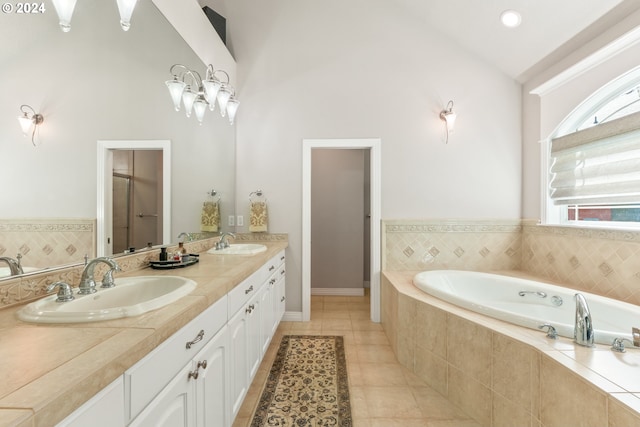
x: 510, y: 18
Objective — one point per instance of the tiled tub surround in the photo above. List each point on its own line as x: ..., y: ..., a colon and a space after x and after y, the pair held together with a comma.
x: 602, y: 262
x: 50, y: 370
x: 505, y: 375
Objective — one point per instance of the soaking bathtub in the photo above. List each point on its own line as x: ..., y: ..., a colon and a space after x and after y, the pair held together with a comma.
x: 529, y: 303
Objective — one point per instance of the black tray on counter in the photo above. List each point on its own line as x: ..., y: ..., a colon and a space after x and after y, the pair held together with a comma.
x: 170, y: 264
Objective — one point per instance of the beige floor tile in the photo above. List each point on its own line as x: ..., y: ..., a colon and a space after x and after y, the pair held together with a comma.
x: 391, y: 402
x: 383, y: 393
x: 368, y: 353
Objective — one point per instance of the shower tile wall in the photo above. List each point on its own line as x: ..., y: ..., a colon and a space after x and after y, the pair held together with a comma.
x: 603, y: 262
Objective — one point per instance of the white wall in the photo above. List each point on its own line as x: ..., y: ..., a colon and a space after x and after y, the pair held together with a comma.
x: 368, y: 68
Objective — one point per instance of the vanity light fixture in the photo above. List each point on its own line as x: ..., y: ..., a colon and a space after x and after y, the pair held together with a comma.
x: 29, y: 122
x: 210, y: 90
x: 449, y: 117
x: 64, y: 8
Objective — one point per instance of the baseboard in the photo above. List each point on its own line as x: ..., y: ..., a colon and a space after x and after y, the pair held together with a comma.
x: 292, y: 316
x: 350, y: 292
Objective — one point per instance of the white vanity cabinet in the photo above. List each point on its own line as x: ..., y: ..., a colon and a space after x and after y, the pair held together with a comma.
x: 200, y: 375
x: 159, y: 386
x: 196, y: 396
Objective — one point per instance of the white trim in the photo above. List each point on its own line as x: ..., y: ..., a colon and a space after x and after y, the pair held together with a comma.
x: 347, y: 292
x: 376, y: 212
x: 600, y: 56
x: 292, y: 316
x: 103, y: 204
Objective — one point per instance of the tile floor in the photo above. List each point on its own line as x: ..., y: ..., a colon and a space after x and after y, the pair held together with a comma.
x: 383, y: 392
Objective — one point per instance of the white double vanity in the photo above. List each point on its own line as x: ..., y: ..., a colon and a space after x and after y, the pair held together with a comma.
x: 187, y: 364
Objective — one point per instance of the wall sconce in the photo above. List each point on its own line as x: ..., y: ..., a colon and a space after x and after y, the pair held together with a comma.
x: 30, y: 122
x: 449, y: 117
x: 210, y: 90
x: 64, y: 8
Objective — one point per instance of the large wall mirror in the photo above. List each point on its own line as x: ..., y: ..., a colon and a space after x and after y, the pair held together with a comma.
x: 97, y: 83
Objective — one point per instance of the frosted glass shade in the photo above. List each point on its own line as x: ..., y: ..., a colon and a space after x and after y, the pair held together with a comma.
x: 211, y: 88
x: 25, y: 123
x: 64, y: 9
x: 199, y: 107
x: 223, y: 98
x: 232, y: 108
x: 188, y: 98
x: 125, y: 7
x: 450, y: 118
x: 176, y: 87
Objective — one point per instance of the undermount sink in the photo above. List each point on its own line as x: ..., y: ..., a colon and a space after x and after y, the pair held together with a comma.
x: 239, y: 249
x: 130, y: 297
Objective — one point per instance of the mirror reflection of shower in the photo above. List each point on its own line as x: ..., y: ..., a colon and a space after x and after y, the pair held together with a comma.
x: 137, y: 199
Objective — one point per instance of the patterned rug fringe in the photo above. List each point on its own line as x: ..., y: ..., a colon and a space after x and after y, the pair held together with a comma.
x: 307, y: 385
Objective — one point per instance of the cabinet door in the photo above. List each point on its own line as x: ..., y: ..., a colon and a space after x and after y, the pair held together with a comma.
x: 239, y: 362
x: 267, y: 315
x: 212, y: 384
x: 174, y: 406
x: 105, y: 409
x: 254, y: 328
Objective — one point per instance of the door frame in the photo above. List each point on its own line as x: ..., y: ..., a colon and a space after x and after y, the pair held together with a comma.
x: 104, y: 196
x: 374, y: 145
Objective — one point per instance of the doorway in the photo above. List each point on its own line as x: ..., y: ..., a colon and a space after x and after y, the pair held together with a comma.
x: 374, y: 208
x: 338, y: 221
x: 104, y: 190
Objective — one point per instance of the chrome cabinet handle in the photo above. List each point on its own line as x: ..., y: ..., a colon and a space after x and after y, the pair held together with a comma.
x: 282, y: 272
x: 246, y: 291
x: 273, y: 267
x: 197, y: 339
x: 272, y: 281
x: 202, y: 364
x: 249, y: 308
x: 282, y: 258
x: 193, y: 374
x: 282, y: 299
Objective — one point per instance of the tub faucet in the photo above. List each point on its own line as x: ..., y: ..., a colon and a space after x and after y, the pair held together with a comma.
x: 88, y: 283
x: 223, y: 243
x: 14, y: 265
x: 583, y: 329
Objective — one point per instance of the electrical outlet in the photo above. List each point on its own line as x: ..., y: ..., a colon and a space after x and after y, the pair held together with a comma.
x: 232, y: 220
x: 240, y: 221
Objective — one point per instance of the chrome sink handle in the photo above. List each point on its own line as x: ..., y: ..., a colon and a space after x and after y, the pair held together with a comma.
x: 551, y: 332
x: 107, y: 279
x: 618, y: 344
x: 65, y: 293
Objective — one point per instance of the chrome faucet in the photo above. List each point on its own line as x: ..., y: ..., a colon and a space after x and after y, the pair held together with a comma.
x: 14, y: 265
x: 583, y: 328
x: 223, y: 243
x: 187, y: 235
x: 87, y: 281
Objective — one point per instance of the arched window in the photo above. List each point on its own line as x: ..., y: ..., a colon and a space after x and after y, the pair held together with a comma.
x: 594, y: 159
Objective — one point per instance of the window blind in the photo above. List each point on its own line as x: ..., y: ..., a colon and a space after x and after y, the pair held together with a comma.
x: 597, y: 165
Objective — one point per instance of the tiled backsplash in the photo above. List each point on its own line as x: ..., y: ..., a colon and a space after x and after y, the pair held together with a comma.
x: 603, y: 262
x: 44, y: 242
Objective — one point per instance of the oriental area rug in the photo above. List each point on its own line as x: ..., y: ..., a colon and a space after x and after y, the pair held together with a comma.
x: 307, y: 385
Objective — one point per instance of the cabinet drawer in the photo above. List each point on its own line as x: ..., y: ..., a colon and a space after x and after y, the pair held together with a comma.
x: 244, y: 291
x: 150, y: 375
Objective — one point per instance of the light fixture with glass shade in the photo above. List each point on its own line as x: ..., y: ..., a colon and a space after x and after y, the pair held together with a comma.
x: 211, y: 89
x: 449, y: 117
x: 64, y: 9
x: 29, y: 121
x: 125, y: 7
